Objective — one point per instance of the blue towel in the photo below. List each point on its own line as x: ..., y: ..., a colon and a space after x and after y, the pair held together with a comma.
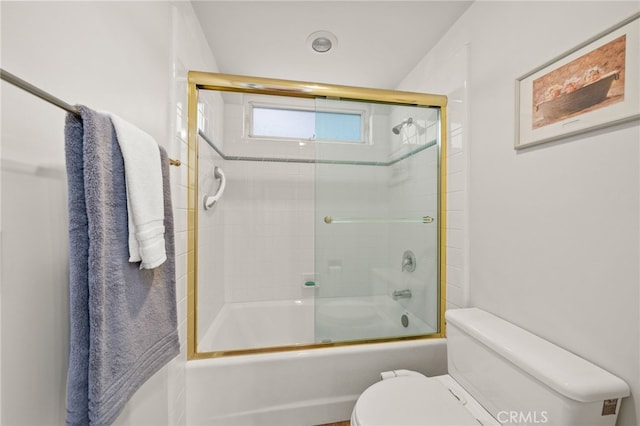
x: 123, y: 319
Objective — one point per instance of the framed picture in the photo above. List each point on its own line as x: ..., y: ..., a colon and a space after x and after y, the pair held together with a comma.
x: 596, y: 84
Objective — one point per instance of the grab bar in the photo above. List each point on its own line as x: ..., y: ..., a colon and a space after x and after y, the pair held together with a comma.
x: 210, y: 200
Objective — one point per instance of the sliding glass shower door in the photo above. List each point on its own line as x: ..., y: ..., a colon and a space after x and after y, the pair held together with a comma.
x: 313, y: 219
x: 376, y: 221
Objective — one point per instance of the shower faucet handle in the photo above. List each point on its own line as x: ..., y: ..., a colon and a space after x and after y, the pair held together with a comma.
x: 408, y: 261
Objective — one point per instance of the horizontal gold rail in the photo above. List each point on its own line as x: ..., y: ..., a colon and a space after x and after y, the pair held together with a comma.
x: 424, y: 219
x: 304, y: 347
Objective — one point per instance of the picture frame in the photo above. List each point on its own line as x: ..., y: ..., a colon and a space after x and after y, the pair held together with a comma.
x: 592, y: 86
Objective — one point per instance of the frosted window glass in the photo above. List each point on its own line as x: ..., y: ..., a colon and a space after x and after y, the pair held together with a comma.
x: 283, y: 123
x: 304, y: 124
x: 337, y: 126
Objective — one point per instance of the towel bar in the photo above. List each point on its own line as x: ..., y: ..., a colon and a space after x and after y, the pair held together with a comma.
x: 30, y: 88
x: 424, y: 219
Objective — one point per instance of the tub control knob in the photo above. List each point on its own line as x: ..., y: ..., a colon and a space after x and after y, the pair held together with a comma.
x: 408, y: 261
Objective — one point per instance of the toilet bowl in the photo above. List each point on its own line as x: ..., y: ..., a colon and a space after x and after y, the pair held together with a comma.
x: 498, y: 374
x: 409, y: 398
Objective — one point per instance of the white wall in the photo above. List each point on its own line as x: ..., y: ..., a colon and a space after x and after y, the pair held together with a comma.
x: 35, y: 300
x: 553, y: 230
x: 127, y: 57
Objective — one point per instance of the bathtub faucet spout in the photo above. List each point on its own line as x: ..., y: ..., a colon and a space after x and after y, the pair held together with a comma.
x: 401, y: 294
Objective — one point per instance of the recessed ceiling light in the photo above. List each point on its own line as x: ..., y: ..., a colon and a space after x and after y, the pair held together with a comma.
x: 322, y: 41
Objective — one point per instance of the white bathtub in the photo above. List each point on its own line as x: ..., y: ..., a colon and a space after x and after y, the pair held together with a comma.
x: 250, y: 325
x: 297, y: 388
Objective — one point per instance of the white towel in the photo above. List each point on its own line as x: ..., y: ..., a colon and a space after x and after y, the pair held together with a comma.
x: 145, y: 203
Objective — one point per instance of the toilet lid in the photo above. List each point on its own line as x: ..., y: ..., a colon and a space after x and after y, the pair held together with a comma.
x: 405, y: 401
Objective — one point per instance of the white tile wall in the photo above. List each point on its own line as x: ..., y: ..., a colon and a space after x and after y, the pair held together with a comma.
x: 268, y: 234
x: 273, y: 230
x: 189, y: 51
x: 347, y: 254
x: 456, y: 182
x: 270, y: 213
x: 211, y: 265
x: 416, y: 196
x: 448, y: 75
x: 270, y: 217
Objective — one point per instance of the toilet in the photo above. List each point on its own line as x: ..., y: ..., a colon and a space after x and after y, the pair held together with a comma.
x: 499, y: 374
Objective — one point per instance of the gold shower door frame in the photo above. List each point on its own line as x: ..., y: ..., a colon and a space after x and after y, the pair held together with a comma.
x: 235, y: 83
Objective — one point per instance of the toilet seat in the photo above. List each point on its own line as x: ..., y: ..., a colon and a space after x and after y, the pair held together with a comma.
x: 416, y: 400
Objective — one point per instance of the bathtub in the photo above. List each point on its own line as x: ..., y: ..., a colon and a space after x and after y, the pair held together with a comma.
x: 251, y: 325
x: 299, y: 387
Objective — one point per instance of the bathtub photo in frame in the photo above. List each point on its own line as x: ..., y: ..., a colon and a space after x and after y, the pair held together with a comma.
x: 592, y: 86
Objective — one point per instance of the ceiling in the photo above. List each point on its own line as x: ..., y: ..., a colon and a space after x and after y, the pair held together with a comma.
x: 378, y: 42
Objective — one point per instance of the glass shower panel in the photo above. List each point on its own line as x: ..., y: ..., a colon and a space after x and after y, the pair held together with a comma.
x: 327, y: 230
x: 376, y: 224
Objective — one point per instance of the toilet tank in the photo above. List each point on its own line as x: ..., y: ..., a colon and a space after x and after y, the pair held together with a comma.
x: 522, y: 379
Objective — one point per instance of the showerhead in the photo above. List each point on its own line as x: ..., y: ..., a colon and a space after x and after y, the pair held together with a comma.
x: 405, y: 122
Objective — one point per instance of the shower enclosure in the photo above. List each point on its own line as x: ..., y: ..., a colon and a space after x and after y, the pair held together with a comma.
x: 315, y: 215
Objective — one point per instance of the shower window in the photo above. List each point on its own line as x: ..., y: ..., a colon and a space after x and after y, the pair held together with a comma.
x: 277, y: 122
